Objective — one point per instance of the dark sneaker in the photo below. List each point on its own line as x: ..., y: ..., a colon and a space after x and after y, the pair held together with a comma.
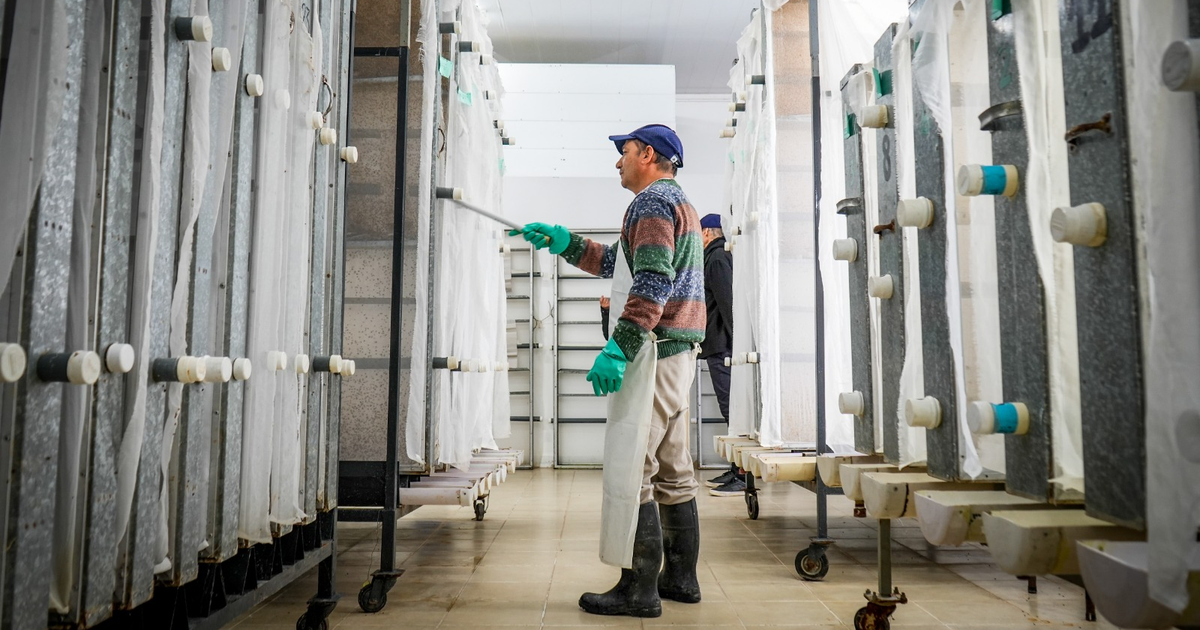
x: 735, y: 488
x: 722, y: 479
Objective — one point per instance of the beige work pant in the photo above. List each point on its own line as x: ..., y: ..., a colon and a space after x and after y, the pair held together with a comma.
x: 668, y: 476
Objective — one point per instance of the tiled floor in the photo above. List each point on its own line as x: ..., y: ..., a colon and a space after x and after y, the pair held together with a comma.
x: 527, y: 562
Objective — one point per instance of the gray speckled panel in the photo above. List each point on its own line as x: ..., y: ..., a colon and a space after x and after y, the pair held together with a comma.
x: 328, y: 498
x: 140, y: 552
x: 318, y: 318
x: 891, y: 262
x: 33, y: 437
x: 860, y: 316
x: 100, y: 542
x: 224, y: 492
x: 1108, y: 277
x: 1023, y: 348
x: 942, y: 442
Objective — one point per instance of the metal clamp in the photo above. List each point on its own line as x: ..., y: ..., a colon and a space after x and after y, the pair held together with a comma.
x: 998, y: 111
x: 887, y: 227
x: 849, y: 205
x: 1104, y: 124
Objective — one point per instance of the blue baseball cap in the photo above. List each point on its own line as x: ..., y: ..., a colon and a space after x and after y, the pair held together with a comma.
x: 711, y: 221
x: 661, y: 137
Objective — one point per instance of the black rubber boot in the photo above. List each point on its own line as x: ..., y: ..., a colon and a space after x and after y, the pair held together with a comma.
x: 681, y: 549
x: 636, y: 593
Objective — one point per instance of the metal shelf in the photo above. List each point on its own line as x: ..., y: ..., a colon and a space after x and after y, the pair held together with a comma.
x: 526, y: 274
x: 518, y: 297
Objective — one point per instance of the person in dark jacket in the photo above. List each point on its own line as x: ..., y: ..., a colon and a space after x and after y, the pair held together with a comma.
x: 718, y: 335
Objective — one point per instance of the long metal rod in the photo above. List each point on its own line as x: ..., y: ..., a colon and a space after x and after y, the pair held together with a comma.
x: 485, y: 213
x: 391, y: 469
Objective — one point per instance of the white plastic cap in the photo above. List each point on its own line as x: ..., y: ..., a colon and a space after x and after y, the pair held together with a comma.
x: 873, y: 116
x: 254, y: 85
x: 505, y: 248
x: 845, y: 249
x: 217, y: 369
x: 302, y: 364
x: 741, y: 96
x: 283, y: 99
x: 970, y: 180
x: 119, y: 358
x: 1085, y: 224
x: 728, y: 362
x: 981, y: 418
x: 1180, y: 67
x: 190, y: 370
x: 349, y: 154
x: 202, y: 28
x: 728, y: 132
x: 502, y: 366
x: 752, y: 357
x: 328, y: 136
x: 242, y: 369
x: 729, y: 244
x: 852, y: 403
x: 489, y: 95
x: 880, y: 287
x: 12, y: 362
x: 316, y: 120
x: 487, y: 60
x: 348, y: 368
x: 452, y: 363
x: 276, y: 360
x: 222, y: 59
x: 923, y: 412
x: 83, y: 368
x: 335, y: 363
x: 753, y: 219
x: 916, y: 213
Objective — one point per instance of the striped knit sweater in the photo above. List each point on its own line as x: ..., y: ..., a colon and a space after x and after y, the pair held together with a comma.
x: 661, y: 235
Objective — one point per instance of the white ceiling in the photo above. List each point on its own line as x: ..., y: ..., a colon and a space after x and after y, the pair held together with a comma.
x: 698, y: 37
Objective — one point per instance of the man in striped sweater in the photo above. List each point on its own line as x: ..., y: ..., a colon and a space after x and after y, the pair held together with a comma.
x: 660, y: 238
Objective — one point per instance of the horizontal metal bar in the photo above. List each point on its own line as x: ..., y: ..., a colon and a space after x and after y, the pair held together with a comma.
x: 241, y: 605
x: 524, y: 418
x: 580, y: 323
x: 518, y: 297
x: 377, y: 51
x: 579, y: 299
x: 582, y: 420
x: 581, y: 277
x: 526, y: 274
x: 581, y: 348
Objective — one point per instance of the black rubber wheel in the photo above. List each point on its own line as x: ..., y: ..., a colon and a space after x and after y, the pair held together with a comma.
x: 303, y: 623
x: 752, y: 506
x: 867, y: 619
x: 370, y: 605
x: 480, y: 510
x: 809, y: 567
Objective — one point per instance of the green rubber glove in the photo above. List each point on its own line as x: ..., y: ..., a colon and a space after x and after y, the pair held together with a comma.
x: 541, y: 235
x: 609, y: 370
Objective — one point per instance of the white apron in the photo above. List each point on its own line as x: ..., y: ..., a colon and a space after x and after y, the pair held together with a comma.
x: 625, y: 436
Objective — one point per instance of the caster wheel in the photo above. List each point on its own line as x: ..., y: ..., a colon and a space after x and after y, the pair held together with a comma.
x: 752, y: 506
x: 480, y: 510
x: 368, y: 604
x: 809, y: 567
x: 304, y: 623
x: 867, y: 619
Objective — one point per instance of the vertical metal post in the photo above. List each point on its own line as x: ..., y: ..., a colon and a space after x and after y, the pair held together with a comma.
x: 388, y: 561
x: 533, y: 348
x: 885, y: 557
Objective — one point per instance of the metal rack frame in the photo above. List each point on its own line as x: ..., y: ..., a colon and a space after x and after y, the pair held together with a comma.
x: 533, y: 346
x: 557, y: 420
